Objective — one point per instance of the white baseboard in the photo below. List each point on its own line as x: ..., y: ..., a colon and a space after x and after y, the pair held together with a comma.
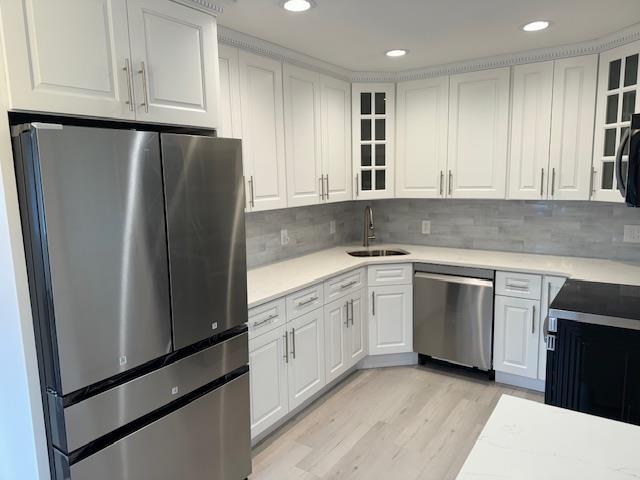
x: 518, y: 381
x: 389, y: 360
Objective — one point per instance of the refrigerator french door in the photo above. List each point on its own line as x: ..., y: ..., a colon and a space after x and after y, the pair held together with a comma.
x: 135, y: 250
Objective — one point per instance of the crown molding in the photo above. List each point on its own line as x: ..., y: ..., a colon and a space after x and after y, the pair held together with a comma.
x: 203, y: 5
x: 278, y: 52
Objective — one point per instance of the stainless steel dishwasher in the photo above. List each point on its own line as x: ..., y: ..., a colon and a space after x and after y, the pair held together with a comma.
x: 453, y: 314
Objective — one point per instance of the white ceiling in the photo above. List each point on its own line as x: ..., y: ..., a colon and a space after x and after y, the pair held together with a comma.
x: 355, y: 34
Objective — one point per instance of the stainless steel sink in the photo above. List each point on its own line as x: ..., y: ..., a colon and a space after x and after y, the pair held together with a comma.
x: 377, y: 253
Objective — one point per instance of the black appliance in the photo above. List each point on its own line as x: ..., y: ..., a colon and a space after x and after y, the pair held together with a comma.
x: 593, y: 350
x: 630, y: 142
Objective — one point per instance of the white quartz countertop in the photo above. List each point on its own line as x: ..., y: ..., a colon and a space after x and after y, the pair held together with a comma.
x: 528, y: 440
x: 278, y: 279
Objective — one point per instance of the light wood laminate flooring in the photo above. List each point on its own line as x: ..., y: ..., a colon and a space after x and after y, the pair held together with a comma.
x: 391, y: 423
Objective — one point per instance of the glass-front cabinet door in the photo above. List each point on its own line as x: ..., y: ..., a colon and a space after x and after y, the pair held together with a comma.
x: 373, y: 109
x: 618, y: 91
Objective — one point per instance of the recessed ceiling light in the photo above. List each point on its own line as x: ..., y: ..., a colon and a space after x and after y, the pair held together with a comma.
x: 396, y: 53
x: 297, y: 5
x: 536, y: 26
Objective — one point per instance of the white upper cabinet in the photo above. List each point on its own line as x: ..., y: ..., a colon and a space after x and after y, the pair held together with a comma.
x: 305, y: 180
x: 148, y: 60
x: 373, y: 121
x: 530, y: 130
x: 478, y: 134
x: 618, y: 92
x: 422, y: 116
x: 262, y: 132
x: 335, y: 96
x: 230, y: 116
x: 174, y: 51
x: 574, y: 93
x: 69, y: 56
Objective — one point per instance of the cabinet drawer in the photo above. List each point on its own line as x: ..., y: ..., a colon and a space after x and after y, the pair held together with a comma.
x: 397, y: 274
x: 266, y: 317
x: 337, y: 287
x: 304, y: 301
x: 521, y: 285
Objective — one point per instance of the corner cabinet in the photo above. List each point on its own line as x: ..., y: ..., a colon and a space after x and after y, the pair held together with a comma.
x: 263, y: 147
x: 572, y: 124
x: 618, y: 92
x: 478, y: 134
x: 373, y: 120
x: 422, y: 119
x: 145, y: 60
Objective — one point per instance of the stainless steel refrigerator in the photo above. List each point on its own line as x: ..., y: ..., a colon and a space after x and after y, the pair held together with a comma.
x: 135, y: 246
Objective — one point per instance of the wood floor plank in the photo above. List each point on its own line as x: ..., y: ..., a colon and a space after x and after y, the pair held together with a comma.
x: 393, y: 423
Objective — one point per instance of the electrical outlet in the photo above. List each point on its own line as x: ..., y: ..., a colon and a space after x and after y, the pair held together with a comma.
x: 426, y: 227
x: 284, y: 237
x: 631, y: 234
x: 332, y: 227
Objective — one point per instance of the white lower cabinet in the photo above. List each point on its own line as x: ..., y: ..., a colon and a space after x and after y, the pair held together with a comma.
x: 344, y: 334
x: 390, y: 319
x: 268, y: 371
x: 550, y: 288
x: 306, y: 357
x: 515, y: 336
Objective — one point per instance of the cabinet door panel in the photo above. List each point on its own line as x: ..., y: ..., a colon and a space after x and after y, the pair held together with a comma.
x: 268, y: 370
x: 302, y: 136
x: 550, y: 288
x: 306, y: 352
x: 335, y: 338
x: 179, y: 48
x: 229, y: 96
x: 357, y: 339
x: 423, y: 111
x: 391, y: 319
x: 336, y: 137
x: 263, y: 131
x: 574, y: 93
x: 530, y: 130
x: 478, y: 134
x: 68, y: 56
x: 516, y: 332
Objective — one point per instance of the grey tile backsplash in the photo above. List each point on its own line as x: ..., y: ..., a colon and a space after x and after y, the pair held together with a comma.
x: 584, y: 229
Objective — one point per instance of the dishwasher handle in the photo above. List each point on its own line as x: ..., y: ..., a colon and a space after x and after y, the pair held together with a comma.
x: 477, y: 282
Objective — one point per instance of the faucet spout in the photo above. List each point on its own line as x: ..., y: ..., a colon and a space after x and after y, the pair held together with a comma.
x: 369, y: 227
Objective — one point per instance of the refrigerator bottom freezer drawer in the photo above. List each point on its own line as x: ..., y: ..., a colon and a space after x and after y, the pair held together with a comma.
x: 208, y: 438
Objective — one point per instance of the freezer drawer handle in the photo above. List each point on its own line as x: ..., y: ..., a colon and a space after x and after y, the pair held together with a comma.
x: 307, y: 302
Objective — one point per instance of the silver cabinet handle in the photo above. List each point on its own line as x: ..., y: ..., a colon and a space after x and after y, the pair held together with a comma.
x: 145, y: 92
x: 553, y: 182
x: 373, y: 303
x: 286, y: 347
x: 307, y: 302
x: 321, y: 191
x: 441, y: 183
x: 593, y: 181
x: 542, y: 182
x: 533, y: 320
x: 266, y: 320
x: 252, y: 202
x: 348, y: 284
x: 293, y: 343
x: 522, y: 288
x: 351, y: 302
x: 346, y: 308
x: 450, y: 182
x: 327, y: 178
x: 357, y: 185
x: 127, y: 72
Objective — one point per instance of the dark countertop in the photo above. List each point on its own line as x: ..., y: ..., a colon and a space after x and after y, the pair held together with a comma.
x: 601, y: 303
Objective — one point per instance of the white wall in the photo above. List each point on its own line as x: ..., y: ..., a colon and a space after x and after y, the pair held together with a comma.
x: 23, y: 451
